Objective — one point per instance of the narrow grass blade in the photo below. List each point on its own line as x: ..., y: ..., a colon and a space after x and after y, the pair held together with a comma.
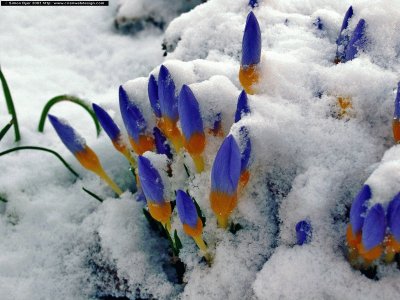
x: 93, y: 195
x: 10, y: 105
x: 42, y: 149
x: 5, y: 129
x: 72, y: 99
x: 177, y: 241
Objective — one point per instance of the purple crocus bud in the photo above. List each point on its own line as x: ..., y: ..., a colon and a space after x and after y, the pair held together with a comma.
x: 160, y: 141
x: 166, y: 95
x: 318, y: 24
x: 373, y: 230
x: 150, y: 180
x: 107, y: 123
x: 186, y: 209
x: 347, y: 16
x: 134, y: 121
x: 70, y: 138
x: 226, y: 168
x: 251, y: 44
x: 242, y: 106
x: 152, y: 90
x: 393, y: 217
x: 303, y: 232
x: 344, y: 37
x: 253, y: 3
x: 189, y: 113
x: 397, y: 103
x: 358, y: 208
x: 357, y: 41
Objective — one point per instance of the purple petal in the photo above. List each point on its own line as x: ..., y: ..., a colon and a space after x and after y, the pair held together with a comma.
x: 226, y: 168
x: 152, y: 90
x: 150, y: 181
x: 134, y: 121
x: 166, y: 94
x: 189, y: 113
x: 303, y: 232
x: 242, y: 108
x: 358, y: 208
x: 251, y: 44
x: 186, y: 209
x: 357, y: 41
x: 70, y: 138
x: 373, y: 231
x: 106, y: 122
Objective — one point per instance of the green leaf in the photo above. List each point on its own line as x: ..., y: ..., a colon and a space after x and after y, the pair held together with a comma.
x: 42, y: 149
x: 187, y: 170
x: 178, y: 243
x: 93, y: 195
x: 173, y: 204
x: 2, y: 199
x: 10, y: 105
x: 199, y: 212
x: 5, y: 129
x: 72, y: 99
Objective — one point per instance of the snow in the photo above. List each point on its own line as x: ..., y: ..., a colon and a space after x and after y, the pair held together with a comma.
x: 57, y: 242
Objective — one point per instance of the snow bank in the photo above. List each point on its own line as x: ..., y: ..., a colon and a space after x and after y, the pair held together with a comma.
x: 134, y: 15
x: 306, y: 164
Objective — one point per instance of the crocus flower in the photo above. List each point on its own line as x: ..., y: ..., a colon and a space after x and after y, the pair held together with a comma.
x: 192, y: 126
x: 373, y: 233
x: 192, y: 224
x: 153, y: 189
x: 396, y: 117
x: 135, y: 124
x: 345, y: 104
x: 251, y: 54
x: 253, y: 3
x: 113, y: 132
x: 392, y: 244
x: 152, y: 90
x: 242, y: 108
x: 318, y: 24
x: 357, y: 41
x: 224, y: 180
x: 216, y: 130
x: 160, y: 140
x: 85, y: 155
x: 392, y: 216
x: 358, y: 208
x: 344, y: 37
x: 303, y: 232
x: 245, y: 156
x: 168, y: 108
x: 357, y: 215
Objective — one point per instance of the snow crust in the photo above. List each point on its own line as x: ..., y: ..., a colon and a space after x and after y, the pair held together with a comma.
x: 57, y: 242
x: 141, y: 13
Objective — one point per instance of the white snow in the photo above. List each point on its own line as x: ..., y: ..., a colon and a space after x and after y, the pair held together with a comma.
x: 58, y: 242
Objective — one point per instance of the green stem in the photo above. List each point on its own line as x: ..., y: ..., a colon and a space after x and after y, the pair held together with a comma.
x: 10, y: 105
x: 93, y: 194
x: 5, y: 129
x: 72, y: 99
x: 42, y: 149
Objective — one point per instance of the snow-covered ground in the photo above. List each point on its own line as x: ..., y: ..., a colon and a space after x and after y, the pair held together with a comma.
x: 58, y: 242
